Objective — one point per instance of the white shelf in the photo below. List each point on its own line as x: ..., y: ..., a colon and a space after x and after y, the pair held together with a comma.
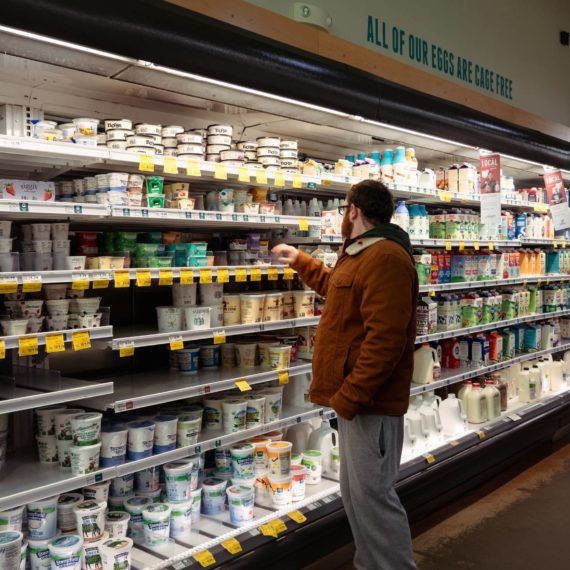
x: 94, y: 333
x: 483, y: 244
x: 460, y: 286
x: 30, y: 209
x: 543, y: 241
x: 152, y: 388
x: 154, y: 339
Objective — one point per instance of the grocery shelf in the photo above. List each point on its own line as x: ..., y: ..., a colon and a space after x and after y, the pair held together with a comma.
x: 30, y: 388
x: 461, y: 286
x: 95, y: 333
x: 36, y: 210
x: 145, y: 389
x: 467, y: 243
x: 456, y: 375
x: 543, y: 241
x: 490, y: 326
x: 156, y: 338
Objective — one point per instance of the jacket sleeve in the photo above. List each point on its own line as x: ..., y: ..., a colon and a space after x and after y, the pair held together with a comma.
x: 387, y: 305
x: 313, y: 272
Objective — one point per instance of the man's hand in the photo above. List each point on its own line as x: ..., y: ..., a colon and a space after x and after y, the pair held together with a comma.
x: 285, y: 253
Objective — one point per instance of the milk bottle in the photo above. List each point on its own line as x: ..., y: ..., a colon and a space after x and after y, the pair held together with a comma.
x: 464, y: 391
x: 476, y: 405
x: 426, y: 365
x: 493, y: 399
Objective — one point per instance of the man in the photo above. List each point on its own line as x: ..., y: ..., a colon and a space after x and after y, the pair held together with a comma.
x: 362, y: 366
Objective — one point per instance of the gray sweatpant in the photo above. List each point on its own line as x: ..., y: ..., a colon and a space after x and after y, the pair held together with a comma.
x: 370, y: 449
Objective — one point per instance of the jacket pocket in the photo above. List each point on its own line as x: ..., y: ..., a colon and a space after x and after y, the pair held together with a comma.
x: 382, y: 439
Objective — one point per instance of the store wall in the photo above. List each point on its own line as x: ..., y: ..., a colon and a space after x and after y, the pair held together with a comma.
x: 464, y: 42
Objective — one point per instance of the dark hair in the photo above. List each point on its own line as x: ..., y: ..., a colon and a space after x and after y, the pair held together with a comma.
x: 374, y: 200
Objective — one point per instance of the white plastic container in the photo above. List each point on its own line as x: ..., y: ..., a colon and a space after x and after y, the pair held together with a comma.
x: 97, y: 492
x: 135, y: 506
x: 147, y: 479
x: 90, y: 517
x: 184, y: 295
x: 12, y: 519
x: 164, y: 433
x: 116, y: 553
x: 169, y: 319
x: 234, y: 415
x: 113, y: 446
x: 213, y: 412
x: 42, y: 518
x: 122, y: 486
x: 91, y: 558
x: 117, y: 523
x: 65, y: 552
x: 181, y: 519
x: 313, y: 461
x: 188, y: 430
x: 281, y: 490
x: 197, y: 318
x: 10, y: 548
x: 213, y: 495
x: 240, y: 504
x: 141, y: 439
x: 85, y: 459
x: 251, y: 308
x: 156, y: 521
x: 242, y: 460
x: 47, y: 449
x: 66, y: 519
x: 86, y: 126
x: 255, y: 412
x: 273, y: 404
x: 63, y: 422
x: 211, y: 293
x: 45, y: 420
x: 38, y: 554
x: 298, y: 482
x: 181, y: 477
x: 196, y: 505
x: 86, y: 428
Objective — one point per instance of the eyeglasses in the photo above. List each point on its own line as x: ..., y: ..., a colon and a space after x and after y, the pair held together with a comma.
x: 342, y: 208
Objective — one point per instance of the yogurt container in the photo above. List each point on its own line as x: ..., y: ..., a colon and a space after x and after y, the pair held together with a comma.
x: 117, y: 523
x: 279, y: 453
x: 91, y: 558
x: 226, y: 130
x: 156, y: 521
x: 260, y: 457
x: 213, y: 411
x: 38, y: 553
x: 111, y: 124
x: 113, y: 445
x: 135, y: 506
x: 62, y: 422
x: 213, y: 496
x: 313, y: 462
x: 299, y: 476
x: 281, y: 490
x: 181, y: 519
x: 12, y: 519
x: 164, y: 433
x: 196, y: 505
x: 97, y: 491
x: 45, y: 420
x: 86, y: 428
x: 242, y: 455
x: 116, y: 553
x: 234, y: 415
x: 65, y: 552
x: 90, y: 517
x: 181, y: 479
x: 188, y: 430
x: 42, y: 518
x: 147, y: 479
x: 86, y: 126
x: 47, y: 449
x: 122, y: 486
x: 140, y: 439
x: 240, y: 503
x: 85, y: 459
x: 66, y: 519
x: 10, y: 549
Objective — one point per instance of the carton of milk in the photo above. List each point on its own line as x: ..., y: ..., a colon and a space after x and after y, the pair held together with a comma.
x: 27, y: 190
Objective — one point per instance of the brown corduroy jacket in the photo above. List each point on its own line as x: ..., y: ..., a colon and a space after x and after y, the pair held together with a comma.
x: 364, y: 351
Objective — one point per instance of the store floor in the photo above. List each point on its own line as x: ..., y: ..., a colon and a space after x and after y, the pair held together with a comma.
x: 523, y: 524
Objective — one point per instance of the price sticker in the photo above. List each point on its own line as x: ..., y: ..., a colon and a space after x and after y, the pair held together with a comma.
x: 241, y: 275
x: 297, y: 181
x: 278, y: 525
x: 79, y: 281
x: 445, y: 196
x: 491, y: 246
x: 55, y: 343
x: 539, y: 207
x: 126, y: 349
x: 279, y: 178
x: 554, y: 244
x: 219, y: 337
x: 170, y: 165
x: 297, y: 516
x: 243, y: 385
x: 429, y: 458
x: 232, y: 545
x: 143, y: 278
x: 260, y: 176
x: 122, y: 279
x: 80, y: 340
x: 204, y: 558
x: 243, y: 174
x: 176, y: 342
x: 193, y: 168
x: 482, y: 435
x: 2, y: 350
x: 461, y: 245
x: 304, y: 224
x: 563, y: 244
x: 9, y: 285
x: 27, y: 346
x: 447, y: 246
x: 223, y: 275
x: 431, y: 293
x: 272, y: 273
x: 476, y: 245
x: 32, y: 284
x: 255, y: 274
x: 186, y: 277
x: 283, y: 376
x: 101, y: 280
x: 268, y: 530
x: 454, y: 443
x: 205, y: 276
x: 288, y: 274
x: 165, y: 277
x: 220, y: 171
x: 146, y: 163
x: 326, y: 182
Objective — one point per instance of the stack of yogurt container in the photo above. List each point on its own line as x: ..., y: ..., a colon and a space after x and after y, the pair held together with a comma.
x: 190, y: 145
x: 117, y: 131
x: 268, y: 152
x: 289, y: 156
x: 249, y: 149
x: 147, y: 139
x: 219, y: 139
x: 169, y: 139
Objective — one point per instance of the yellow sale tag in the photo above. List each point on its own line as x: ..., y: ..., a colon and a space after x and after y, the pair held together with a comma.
x: 80, y: 340
x: 204, y: 558
x: 491, y: 246
x: 143, y: 278
x: 445, y: 196
x: 232, y: 545
x: 243, y: 385
x: 122, y: 279
x: 297, y: 181
x: 461, y: 245
x: 165, y: 277
x: 146, y: 162
x: 278, y: 526
x: 272, y: 273
x: 297, y: 516
x: 243, y: 174
x: 482, y: 435
x: 170, y: 165
x: 193, y: 168
x: 447, y: 246
x: 28, y: 346
x: 279, y: 178
x: 555, y: 244
x: 283, y: 376
x: 176, y: 343
x: 79, y: 282
x: 220, y: 171
x: 288, y: 273
x: 8, y: 286
x: 205, y: 275
x: 32, y: 284
x: 539, y: 207
x: 219, y: 337
x: 304, y: 224
x: 563, y: 244
x: 326, y: 182
x: 241, y: 274
x: 268, y: 530
x: 429, y: 458
x: 55, y: 343
x: 100, y: 283
x: 476, y: 245
x: 255, y: 274
x: 127, y: 350
x: 2, y: 350
x: 260, y: 176
x: 186, y: 277
x: 431, y: 293
x: 223, y: 275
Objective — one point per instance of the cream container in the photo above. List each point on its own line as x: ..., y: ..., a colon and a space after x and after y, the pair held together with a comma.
x: 171, y: 131
x: 156, y: 524
x: 273, y: 306
x: 117, y: 145
x: 42, y: 518
x: 85, y: 459
x: 290, y: 163
x: 140, y: 140
x: 85, y: 140
x: 91, y: 558
x: 191, y: 156
x: 197, y: 318
x: 169, y: 143
x: 247, y: 146
x: 232, y: 309
x: 116, y: 553
x: 170, y: 152
x: 84, y: 126
x: 45, y: 419
x: 187, y: 148
x: 304, y: 303
x: 66, y: 519
x: 181, y: 478
x: 156, y: 139
x: 135, y: 506
x: 123, y: 486
x: 47, y: 449
x: 280, y: 488
x: 67, y: 130
x: 181, y: 519
x: 64, y: 453
x: 86, y: 428
x: 141, y: 149
x: 148, y: 129
x: 65, y: 552
x: 269, y: 141
x: 217, y: 148
x: 147, y: 480
x: 269, y: 161
x: 62, y: 422
x: 213, y: 496
x: 260, y: 457
x: 158, y: 149
x: 288, y: 145
x: 140, y: 439
x: 211, y: 157
x: 264, y: 151
x: 279, y: 357
x: 211, y: 293
x: 90, y: 519
x: 188, y: 430
x: 251, y: 308
x: 12, y: 519
x: 113, y: 446
x: 313, y: 463
x: 226, y: 130
x: 219, y: 139
x: 117, y: 523
x: 38, y: 554
x: 288, y: 154
x: 189, y: 138
x: 114, y: 124
x: 234, y: 415
x: 233, y: 155
x: 169, y: 319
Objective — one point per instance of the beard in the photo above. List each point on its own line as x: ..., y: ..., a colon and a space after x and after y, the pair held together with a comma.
x: 347, y: 225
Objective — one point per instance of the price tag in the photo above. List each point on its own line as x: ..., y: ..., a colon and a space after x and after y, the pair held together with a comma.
x: 514, y: 417
x: 101, y: 280
x: 219, y: 337
x: 453, y: 443
x: 126, y: 349
x: 170, y: 165
x: 241, y: 275
x: 431, y: 293
x: 79, y: 282
x: 193, y: 168
x: 205, y: 276
x: 278, y: 525
x: 554, y: 244
x: 539, y: 207
x: 243, y: 174
x: 563, y: 244
x: 279, y: 178
x: 260, y: 176
x: 447, y: 246
x: 429, y: 458
x: 272, y: 273
x: 204, y: 558
x: 476, y: 245
x: 232, y: 545
x: 482, y: 435
x: 32, y: 284
x: 28, y: 346
x: 176, y: 342
x: 143, y: 278
x: 9, y: 286
x: 297, y: 516
x: 445, y: 196
x: 268, y: 530
x: 146, y: 162
x: 297, y: 181
x: 55, y: 343
x: 461, y: 245
x: 223, y: 275
x: 255, y: 274
x: 220, y: 171
x: 186, y: 277
x: 288, y: 274
x: 303, y: 224
x: 165, y: 277
x: 80, y: 340
x: 243, y: 385
x: 491, y: 246
x: 2, y: 350
x: 283, y: 376
x: 122, y: 279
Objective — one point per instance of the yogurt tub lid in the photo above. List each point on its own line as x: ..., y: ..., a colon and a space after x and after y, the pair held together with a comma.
x: 90, y: 505
x: 166, y: 417
x: 244, y: 446
x: 281, y: 445
x: 213, y: 482
x: 43, y: 503
x: 44, y: 542
x: 312, y: 453
x: 118, y: 544
x: 87, y: 416
x: 69, y: 499
x: 300, y: 468
x: 179, y: 465
x: 9, y: 536
x: 158, y: 508
x: 280, y: 478
x: 117, y: 516
x: 84, y: 449
x: 67, y: 541
x: 260, y: 441
x: 138, y: 502
x: 116, y: 428
x: 240, y: 490
x: 140, y: 424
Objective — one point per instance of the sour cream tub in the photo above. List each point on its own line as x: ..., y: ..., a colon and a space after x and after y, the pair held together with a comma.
x: 65, y: 552
x: 114, y: 124
x: 148, y: 129
x: 140, y: 140
x: 113, y: 445
x: 66, y: 503
x: 10, y: 549
x: 226, y: 130
x: 117, y: 523
x: 288, y: 145
x: 86, y: 428
x: 116, y: 553
x: 171, y: 131
x: 42, y: 518
x: 156, y: 521
x: 189, y: 138
x: 269, y: 141
x: 181, y: 479
x: 85, y: 459
x: 219, y: 139
x: 84, y: 126
x: 187, y: 148
x: 264, y: 151
x: 140, y: 439
x: 217, y: 148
